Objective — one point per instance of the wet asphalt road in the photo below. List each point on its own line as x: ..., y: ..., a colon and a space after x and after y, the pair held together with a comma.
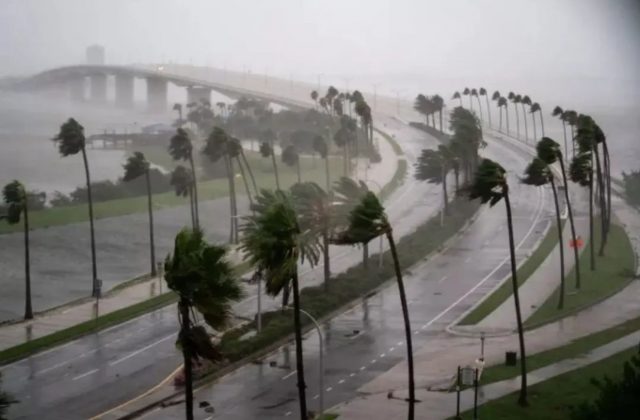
x: 100, y: 371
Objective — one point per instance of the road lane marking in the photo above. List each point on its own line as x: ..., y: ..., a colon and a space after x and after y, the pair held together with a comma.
x: 329, y: 389
x: 145, y: 348
x: 392, y: 349
x: 351, y: 375
x: 91, y: 372
x: 442, y: 279
x: 287, y: 414
x: 373, y: 361
x: 290, y: 374
x: 383, y: 355
x: 363, y: 367
x: 341, y: 381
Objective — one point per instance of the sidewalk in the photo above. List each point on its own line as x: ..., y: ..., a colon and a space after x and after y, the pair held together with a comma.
x: 436, y: 363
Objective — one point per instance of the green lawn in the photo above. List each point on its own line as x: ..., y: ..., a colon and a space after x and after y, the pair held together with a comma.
x: 524, y: 272
x: 573, y: 349
x: 312, y: 170
x: 552, y: 399
x: 613, y: 271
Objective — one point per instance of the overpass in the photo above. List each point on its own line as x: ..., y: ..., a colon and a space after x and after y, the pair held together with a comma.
x: 74, y: 78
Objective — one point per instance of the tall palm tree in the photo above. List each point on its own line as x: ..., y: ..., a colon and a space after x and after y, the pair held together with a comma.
x: 438, y: 104
x: 432, y: 166
x: 182, y: 182
x: 181, y: 148
x: 525, y: 100
x: 474, y: 92
x: 483, y: 92
x: 535, y: 107
x: 363, y: 110
x: 456, y: 95
x: 467, y: 92
x: 178, y: 107
x: 558, y: 112
x: 343, y: 137
x: 291, y: 158
x: 502, y: 102
x: 274, y: 242
x: 571, y: 117
x: 515, y: 99
x: 322, y: 148
x: 490, y: 185
x: 71, y: 141
x: 314, y: 97
x: 581, y: 172
x: 368, y: 220
x: 203, y: 279
x: 16, y: 198
x: 549, y: 151
x: 314, y: 207
x: 137, y: 166
x: 421, y: 106
x: 267, y: 150
x: 538, y: 174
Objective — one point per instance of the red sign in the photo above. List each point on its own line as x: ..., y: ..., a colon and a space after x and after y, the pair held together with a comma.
x: 578, y: 243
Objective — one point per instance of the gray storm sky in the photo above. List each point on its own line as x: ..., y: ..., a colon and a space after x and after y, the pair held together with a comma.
x: 582, y: 43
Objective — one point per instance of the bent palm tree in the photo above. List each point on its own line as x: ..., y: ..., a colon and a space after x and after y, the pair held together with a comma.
x: 456, y: 95
x: 181, y: 148
x: 483, y: 92
x: 474, y: 92
x: 267, y: 150
x: 581, y: 172
x: 71, y: 141
x: 368, y: 220
x: 16, y: 199
x: 291, y: 158
x: 203, y: 279
x: 533, y: 108
x: 467, y: 92
x: 137, y: 166
x: 558, y: 112
x: 490, y: 185
x: 525, y: 101
x: 273, y: 242
x: 182, y: 183
x: 321, y: 147
x: 432, y: 166
x: 515, y: 99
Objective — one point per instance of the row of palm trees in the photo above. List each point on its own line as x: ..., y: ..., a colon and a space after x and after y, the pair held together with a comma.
x: 429, y: 106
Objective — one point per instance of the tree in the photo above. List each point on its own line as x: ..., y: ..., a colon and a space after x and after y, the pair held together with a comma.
x: 343, y: 137
x: 291, y: 158
x: 137, y: 166
x: 466, y: 139
x: 366, y: 119
x: 467, y: 92
x: 496, y: 97
x: 432, y: 166
x: 71, y: 141
x: 558, y: 112
x: 267, y: 150
x: 490, y: 185
x: 422, y: 106
x: 182, y: 182
x: 179, y: 122
x: 515, y: 99
x: 538, y: 173
x: 474, y: 92
x: 203, y: 279
x: 368, y: 220
x: 549, y: 152
x: 274, y: 242
x: 322, y: 148
x: 571, y: 117
x: 456, y: 95
x: 483, y: 92
x: 438, y: 104
x: 314, y: 97
x: 16, y: 199
x: 581, y: 172
x: 535, y: 107
x: 181, y: 148
x: 502, y: 102
x: 525, y: 100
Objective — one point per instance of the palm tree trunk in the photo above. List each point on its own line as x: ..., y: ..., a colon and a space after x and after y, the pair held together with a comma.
x: 234, y: 200
x: 94, y: 267
x: 500, y: 108
x: 275, y: 167
x: 191, y: 210
x: 541, y: 122
x: 515, y: 106
x: 479, y: 107
x: 445, y: 196
x: 560, y: 242
x: 28, y: 310
x: 231, y: 208
x: 456, y: 174
x: 564, y: 132
x: 591, y: 238
x: 573, y: 140
x: 535, y: 132
x: 325, y: 256
x: 195, y: 191
x: 607, y: 161
x: 152, y: 247
x: 526, y: 128
x: 603, y: 204
x: 407, y: 322
x: 486, y: 97
x: 365, y: 257
x: 302, y: 399
x: 244, y: 181
x: 573, y: 227
x: 440, y: 114
x: 246, y: 163
x: 522, y: 400
x: 506, y: 113
x: 460, y: 99
x: 186, y: 353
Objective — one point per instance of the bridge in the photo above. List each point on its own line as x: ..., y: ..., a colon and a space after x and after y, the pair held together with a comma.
x: 73, y: 79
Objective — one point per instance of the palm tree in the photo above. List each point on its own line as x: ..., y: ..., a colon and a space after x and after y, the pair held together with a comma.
x: 366, y: 119
x: 581, y: 172
x: 291, y: 158
x: 203, y: 279
x: 456, y: 95
x: 274, y: 242
x: 558, y: 112
x: 490, y: 185
x: 549, y: 151
x: 538, y: 174
x: 343, y: 137
x: 180, y: 121
x: 16, y: 198
x: 432, y: 166
x: 182, y: 182
x: 267, y: 150
x: 314, y: 207
x: 438, y: 104
x: 368, y: 220
x: 525, y: 101
x: 71, y: 141
x: 467, y: 92
x: 515, y: 99
x: 535, y: 107
x: 571, y: 117
x: 474, y: 92
x: 181, y: 148
x: 314, y: 97
x: 502, y: 102
x: 483, y: 92
x: 320, y: 146
x: 137, y: 166
x: 421, y: 105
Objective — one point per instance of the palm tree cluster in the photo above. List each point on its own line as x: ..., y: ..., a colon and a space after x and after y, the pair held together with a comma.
x: 429, y: 106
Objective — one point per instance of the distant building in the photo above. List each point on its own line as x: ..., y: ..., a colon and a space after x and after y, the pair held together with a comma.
x: 95, y: 55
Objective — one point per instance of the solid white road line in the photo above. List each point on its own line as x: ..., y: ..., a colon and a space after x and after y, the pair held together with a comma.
x: 91, y: 372
x: 145, y: 348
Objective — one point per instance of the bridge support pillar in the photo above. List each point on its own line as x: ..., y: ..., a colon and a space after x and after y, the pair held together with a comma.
x: 76, y: 89
x: 198, y: 94
x: 156, y: 94
x: 98, y: 92
x: 124, y: 91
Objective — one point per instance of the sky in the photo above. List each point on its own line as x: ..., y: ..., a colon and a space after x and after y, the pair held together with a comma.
x: 581, y: 46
